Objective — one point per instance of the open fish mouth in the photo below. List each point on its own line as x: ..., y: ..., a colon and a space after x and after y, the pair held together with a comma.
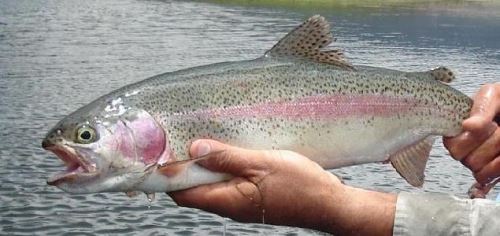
x: 77, y: 167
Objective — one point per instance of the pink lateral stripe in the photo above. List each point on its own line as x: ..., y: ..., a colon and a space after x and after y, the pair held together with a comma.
x: 315, y: 107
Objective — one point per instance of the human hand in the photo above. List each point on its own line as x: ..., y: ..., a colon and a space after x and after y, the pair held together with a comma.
x: 478, y: 146
x: 268, y: 186
x: 284, y: 188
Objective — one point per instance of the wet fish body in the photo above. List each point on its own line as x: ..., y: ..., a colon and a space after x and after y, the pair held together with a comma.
x: 298, y: 97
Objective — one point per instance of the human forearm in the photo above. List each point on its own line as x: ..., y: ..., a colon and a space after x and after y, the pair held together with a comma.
x: 360, y: 212
x: 285, y: 188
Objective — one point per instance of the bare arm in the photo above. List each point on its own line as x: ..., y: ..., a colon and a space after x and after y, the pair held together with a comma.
x: 286, y: 188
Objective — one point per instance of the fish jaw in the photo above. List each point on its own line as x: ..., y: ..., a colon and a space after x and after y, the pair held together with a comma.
x: 79, y: 169
x: 89, y: 171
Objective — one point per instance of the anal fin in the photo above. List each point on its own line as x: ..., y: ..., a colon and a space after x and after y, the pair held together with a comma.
x: 410, y: 161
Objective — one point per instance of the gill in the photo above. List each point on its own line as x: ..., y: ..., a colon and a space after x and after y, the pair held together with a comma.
x: 137, y: 156
x: 148, y: 168
x: 131, y: 135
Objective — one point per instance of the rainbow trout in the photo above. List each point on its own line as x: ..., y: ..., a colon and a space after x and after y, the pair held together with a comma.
x: 299, y: 96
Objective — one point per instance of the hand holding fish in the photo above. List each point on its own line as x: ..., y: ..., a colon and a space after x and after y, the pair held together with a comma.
x: 478, y: 147
x: 284, y: 188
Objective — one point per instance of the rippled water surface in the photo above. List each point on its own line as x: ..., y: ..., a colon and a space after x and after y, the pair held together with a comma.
x: 56, y: 56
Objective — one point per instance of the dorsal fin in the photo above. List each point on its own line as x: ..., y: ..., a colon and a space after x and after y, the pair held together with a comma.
x: 307, y: 40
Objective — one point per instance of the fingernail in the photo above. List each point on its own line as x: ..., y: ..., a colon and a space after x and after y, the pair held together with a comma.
x: 202, y: 148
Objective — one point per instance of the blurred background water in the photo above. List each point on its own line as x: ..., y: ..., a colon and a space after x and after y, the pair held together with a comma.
x: 57, y: 55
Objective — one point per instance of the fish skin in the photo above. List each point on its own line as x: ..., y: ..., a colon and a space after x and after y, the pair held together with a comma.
x: 277, y: 82
x: 337, y: 116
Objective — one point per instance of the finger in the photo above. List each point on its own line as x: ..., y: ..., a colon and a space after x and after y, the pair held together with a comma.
x: 202, y: 196
x: 484, y: 154
x: 476, y: 191
x: 485, y: 108
x: 489, y: 172
x: 479, y: 126
x: 226, y: 158
x: 225, y: 199
x: 463, y: 144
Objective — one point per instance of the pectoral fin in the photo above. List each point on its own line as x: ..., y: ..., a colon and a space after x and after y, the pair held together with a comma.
x: 410, y: 161
x: 172, y: 168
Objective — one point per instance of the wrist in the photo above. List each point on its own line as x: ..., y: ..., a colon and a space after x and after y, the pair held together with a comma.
x: 355, y: 211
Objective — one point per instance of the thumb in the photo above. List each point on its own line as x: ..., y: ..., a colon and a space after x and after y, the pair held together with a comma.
x: 480, y: 126
x: 485, y: 109
x: 225, y: 158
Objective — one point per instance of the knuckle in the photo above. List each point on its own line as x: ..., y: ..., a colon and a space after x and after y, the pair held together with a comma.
x: 480, y: 178
x: 489, y: 173
x: 223, y: 160
x: 496, y: 166
x: 472, y: 163
x: 448, y: 144
x: 454, y: 151
x: 466, y: 163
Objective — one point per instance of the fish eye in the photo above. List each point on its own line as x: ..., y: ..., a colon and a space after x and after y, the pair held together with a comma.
x: 85, y: 134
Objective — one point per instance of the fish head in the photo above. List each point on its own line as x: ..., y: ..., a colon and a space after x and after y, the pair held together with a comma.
x: 105, y: 151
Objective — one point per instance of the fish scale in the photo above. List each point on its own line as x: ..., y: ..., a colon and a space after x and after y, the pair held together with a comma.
x: 286, y: 83
x: 299, y: 96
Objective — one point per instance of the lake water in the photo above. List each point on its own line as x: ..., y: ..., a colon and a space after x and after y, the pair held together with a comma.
x: 56, y: 56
